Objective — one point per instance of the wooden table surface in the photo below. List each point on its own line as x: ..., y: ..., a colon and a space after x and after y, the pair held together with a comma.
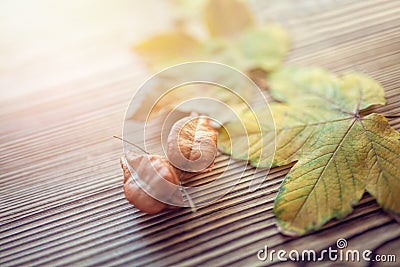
x: 64, y: 95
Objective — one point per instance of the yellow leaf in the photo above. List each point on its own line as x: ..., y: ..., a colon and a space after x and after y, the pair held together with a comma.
x: 227, y: 17
x: 169, y: 49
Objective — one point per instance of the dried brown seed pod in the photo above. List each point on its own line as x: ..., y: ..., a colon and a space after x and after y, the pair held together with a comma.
x: 150, y: 172
x: 192, y: 146
x: 151, y: 181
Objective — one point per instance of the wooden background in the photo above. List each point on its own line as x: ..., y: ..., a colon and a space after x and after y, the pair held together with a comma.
x: 65, y: 84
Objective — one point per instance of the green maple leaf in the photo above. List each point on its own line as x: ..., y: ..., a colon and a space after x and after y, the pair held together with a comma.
x: 340, y: 154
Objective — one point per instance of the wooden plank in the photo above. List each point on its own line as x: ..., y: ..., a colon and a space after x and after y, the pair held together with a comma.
x: 61, y: 193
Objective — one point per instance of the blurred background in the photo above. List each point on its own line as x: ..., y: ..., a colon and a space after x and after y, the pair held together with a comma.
x: 46, y: 43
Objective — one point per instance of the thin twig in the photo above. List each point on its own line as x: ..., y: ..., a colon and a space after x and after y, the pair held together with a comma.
x: 136, y: 146
x: 190, y: 200
x: 191, y: 203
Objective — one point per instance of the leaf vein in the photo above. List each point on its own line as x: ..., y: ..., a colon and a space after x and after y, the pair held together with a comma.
x: 325, y: 167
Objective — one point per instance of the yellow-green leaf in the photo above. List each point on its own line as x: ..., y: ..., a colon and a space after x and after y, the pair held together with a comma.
x: 234, y: 40
x: 262, y: 47
x: 324, y: 183
x: 360, y: 92
x: 313, y: 98
x: 290, y: 84
x: 295, y: 127
x: 351, y: 93
x: 349, y: 158
x: 340, y: 154
x: 383, y: 178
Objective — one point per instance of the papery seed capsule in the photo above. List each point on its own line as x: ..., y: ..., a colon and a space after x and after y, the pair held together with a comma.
x: 150, y: 174
x: 192, y: 146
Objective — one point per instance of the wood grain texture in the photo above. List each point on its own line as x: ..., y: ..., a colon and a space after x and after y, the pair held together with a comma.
x: 62, y: 201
